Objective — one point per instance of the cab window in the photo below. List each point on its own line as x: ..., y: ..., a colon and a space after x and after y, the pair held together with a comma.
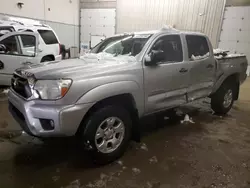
x: 197, y: 47
x: 171, y: 46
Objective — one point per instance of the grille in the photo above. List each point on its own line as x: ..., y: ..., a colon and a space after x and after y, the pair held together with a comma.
x: 19, y: 118
x: 16, y: 112
x: 21, y: 86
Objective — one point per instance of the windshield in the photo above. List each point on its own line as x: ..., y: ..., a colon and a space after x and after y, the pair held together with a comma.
x: 122, y: 45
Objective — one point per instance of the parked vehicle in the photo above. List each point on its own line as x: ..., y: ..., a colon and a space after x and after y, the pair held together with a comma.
x: 17, y: 49
x: 101, y: 96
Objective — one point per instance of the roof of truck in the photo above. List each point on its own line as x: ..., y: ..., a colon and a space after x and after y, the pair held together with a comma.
x: 165, y: 29
x: 173, y: 30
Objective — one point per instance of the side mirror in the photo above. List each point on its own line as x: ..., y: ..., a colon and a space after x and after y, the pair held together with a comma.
x: 3, y: 48
x: 154, y: 57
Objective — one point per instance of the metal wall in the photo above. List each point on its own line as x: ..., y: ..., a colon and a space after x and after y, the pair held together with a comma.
x: 193, y: 15
x: 68, y: 34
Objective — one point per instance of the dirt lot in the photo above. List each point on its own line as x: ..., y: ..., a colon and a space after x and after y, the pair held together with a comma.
x: 213, y: 152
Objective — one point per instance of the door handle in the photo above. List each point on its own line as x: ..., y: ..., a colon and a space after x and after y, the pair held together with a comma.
x: 210, y: 66
x: 183, y: 70
x: 1, y: 65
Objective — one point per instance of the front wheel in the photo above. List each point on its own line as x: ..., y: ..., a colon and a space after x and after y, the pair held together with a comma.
x: 107, y: 133
x: 222, y: 101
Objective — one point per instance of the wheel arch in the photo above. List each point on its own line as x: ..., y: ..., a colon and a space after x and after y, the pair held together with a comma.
x: 125, y: 100
x: 113, y: 89
x: 232, y: 78
x: 51, y: 56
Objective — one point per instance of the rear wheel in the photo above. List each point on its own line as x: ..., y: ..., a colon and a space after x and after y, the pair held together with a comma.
x: 46, y: 59
x: 107, y: 133
x: 222, y: 101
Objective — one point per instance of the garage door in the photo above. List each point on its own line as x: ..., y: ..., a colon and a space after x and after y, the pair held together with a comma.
x: 96, y: 24
x: 235, y: 34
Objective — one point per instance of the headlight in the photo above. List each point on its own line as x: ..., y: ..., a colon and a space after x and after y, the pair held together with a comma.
x: 52, y: 89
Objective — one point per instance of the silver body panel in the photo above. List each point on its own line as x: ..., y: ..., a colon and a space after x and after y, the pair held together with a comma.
x: 154, y: 88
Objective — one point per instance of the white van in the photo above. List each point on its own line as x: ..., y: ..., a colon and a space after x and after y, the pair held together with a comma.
x: 18, y: 38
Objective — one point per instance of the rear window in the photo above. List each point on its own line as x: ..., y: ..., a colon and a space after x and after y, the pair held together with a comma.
x: 48, y: 36
x: 197, y: 46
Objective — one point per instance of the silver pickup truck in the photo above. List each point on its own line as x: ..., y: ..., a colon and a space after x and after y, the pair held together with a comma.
x: 101, y: 96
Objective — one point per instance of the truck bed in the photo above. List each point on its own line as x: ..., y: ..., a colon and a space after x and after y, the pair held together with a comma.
x: 224, y: 54
x: 225, y: 59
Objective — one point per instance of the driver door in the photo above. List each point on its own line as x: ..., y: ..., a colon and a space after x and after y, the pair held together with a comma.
x: 166, y: 81
x: 14, y: 54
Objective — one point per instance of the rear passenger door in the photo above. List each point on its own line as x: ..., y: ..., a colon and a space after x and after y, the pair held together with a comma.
x: 202, y: 72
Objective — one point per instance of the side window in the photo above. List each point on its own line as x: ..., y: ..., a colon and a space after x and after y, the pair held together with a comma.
x: 197, y: 47
x: 171, y: 46
x: 48, y: 36
x: 28, y: 40
x: 11, y: 45
x: 28, y: 45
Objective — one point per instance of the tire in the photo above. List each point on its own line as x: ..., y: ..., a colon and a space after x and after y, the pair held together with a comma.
x: 46, y: 59
x: 218, y: 99
x: 98, y: 122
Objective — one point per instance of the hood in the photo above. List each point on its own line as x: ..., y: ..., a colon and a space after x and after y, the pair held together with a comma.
x: 85, y: 66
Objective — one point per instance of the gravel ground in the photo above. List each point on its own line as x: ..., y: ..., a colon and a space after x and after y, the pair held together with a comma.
x: 212, y: 152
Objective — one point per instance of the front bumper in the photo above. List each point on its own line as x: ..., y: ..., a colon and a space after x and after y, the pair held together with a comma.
x: 28, y: 114
x: 243, y: 78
